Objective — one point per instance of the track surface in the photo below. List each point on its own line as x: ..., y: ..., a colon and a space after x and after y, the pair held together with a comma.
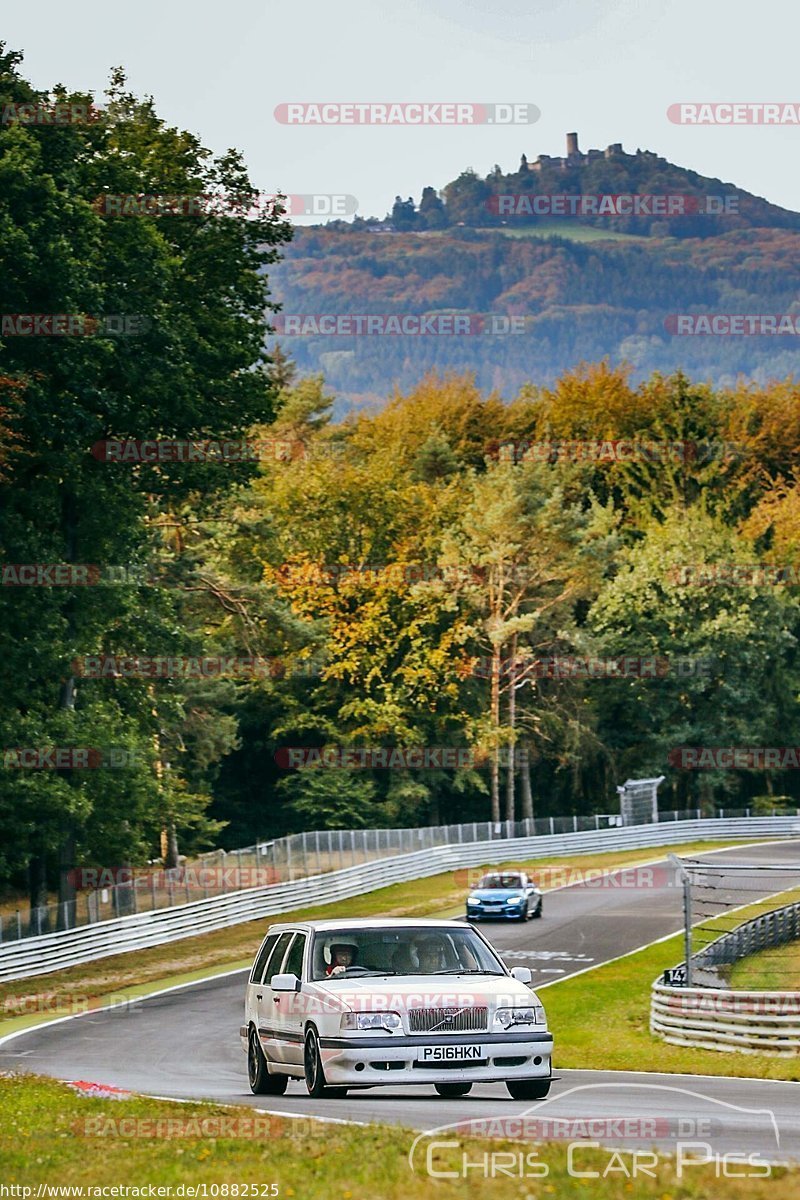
x: 185, y: 1043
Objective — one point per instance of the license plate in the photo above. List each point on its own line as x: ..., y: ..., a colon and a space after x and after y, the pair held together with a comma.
x: 449, y: 1053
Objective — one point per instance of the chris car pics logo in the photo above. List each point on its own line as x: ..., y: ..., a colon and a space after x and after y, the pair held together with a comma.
x: 676, y: 1127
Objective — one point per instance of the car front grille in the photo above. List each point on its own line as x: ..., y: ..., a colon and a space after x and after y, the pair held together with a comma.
x: 448, y: 1020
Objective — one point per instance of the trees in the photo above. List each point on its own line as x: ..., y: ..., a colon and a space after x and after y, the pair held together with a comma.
x: 199, y: 281
x: 729, y: 654
x: 535, y: 552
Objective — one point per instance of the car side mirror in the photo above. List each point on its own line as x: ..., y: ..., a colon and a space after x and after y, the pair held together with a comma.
x: 523, y: 974
x: 285, y: 983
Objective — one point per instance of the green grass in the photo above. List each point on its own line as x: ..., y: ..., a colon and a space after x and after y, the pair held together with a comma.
x: 775, y: 970
x: 51, y: 1135
x: 31, y: 1001
x: 573, y: 231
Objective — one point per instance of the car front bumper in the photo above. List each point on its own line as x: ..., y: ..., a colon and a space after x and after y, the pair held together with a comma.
x: 396, y: 1059
x: 507, y: 911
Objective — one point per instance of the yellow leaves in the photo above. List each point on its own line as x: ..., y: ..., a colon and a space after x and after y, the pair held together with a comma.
x: 592, y: 401
x: 777, y: 512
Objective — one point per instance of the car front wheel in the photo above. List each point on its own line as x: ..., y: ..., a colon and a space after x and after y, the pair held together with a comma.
x: 315, y: 1076
x: 259, y: 1078
x: 452, y: 1091
x: 528, y: 1089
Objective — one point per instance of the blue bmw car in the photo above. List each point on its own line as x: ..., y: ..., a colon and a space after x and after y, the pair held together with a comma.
x: 509, y: 894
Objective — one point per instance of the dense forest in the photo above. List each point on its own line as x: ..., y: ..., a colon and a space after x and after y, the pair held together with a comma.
x: 579, y: 302
x: 446, y: 578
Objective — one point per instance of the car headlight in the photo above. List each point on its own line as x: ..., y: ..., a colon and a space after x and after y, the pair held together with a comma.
x: 516, y: 899
x: 473, y: 900
x: 533, y: 1014
x: 368, y: 1020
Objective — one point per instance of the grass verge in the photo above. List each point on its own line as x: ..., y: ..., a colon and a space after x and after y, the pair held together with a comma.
x: 774, y: 970
x: 53, y: 1136
x: 31, y: 1001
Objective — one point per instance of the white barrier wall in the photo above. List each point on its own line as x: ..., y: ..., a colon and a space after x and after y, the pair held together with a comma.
x: 713, y: 1019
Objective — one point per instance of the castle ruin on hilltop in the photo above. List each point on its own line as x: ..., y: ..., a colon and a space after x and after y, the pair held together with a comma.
x: 575, y: 157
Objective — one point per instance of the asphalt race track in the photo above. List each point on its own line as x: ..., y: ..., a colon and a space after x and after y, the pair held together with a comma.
x: 185, y: 1043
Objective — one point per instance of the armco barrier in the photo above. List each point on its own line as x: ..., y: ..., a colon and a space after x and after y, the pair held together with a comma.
x: 715, y: 1019
x: 718, y: 1018
x: 54, y: 951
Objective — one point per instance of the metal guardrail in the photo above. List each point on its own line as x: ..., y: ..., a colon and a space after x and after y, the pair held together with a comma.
x: 105, y: 895
x: 55, y: 951
x: 719, y: 1019
x: 713, y: 1019
x: 774, y: 928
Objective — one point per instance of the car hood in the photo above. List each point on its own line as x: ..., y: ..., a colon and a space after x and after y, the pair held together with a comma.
x: 427, y: 991
x: 498, y: 894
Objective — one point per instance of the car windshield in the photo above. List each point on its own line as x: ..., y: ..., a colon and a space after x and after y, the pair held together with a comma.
x: 350, y: 953
x: 501, y: 881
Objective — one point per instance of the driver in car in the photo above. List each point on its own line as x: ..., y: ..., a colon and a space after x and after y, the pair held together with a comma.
x: 343, y: 955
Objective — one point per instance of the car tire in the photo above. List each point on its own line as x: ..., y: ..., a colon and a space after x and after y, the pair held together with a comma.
x: 258, y: 1075
x: 451, y: 1091
x: 528, y: 1089
x: 537, y: 912
x: 314, y: 1074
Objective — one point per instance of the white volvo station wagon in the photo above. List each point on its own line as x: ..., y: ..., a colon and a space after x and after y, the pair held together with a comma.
x: 365, y: 1003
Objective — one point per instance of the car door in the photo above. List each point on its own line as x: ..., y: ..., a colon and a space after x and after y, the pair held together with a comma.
x: 256, y: 975
x: 265, y: 999
x: 289, y: 1007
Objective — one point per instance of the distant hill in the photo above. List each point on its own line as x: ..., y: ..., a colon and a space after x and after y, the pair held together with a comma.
x: 671, y: 201
x: 588, y: 286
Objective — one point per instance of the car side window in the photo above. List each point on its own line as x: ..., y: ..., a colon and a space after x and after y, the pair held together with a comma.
x: 294, y: 959
x: 261, y: 960
x: 277, y: 956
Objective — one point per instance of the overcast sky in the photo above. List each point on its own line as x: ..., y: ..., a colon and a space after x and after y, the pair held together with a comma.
x: 608, y: 69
